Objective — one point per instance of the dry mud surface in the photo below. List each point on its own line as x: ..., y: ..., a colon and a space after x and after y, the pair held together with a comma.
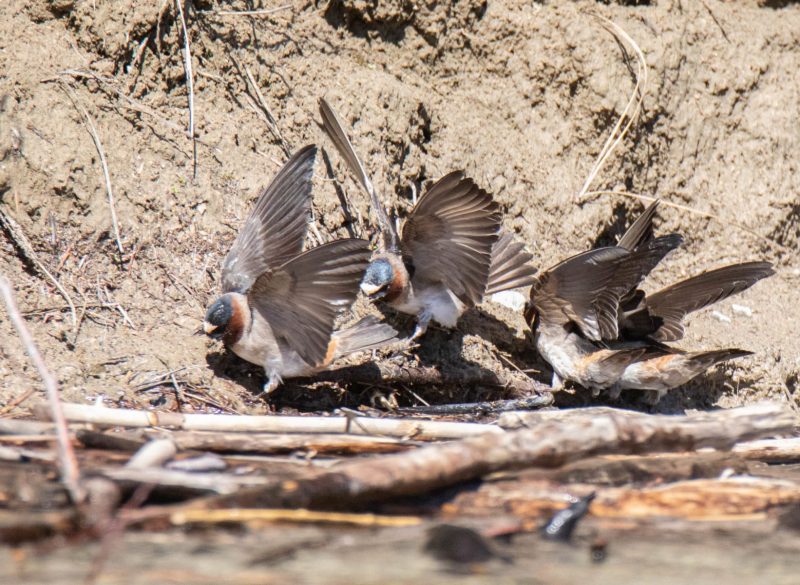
x: 521, y: 95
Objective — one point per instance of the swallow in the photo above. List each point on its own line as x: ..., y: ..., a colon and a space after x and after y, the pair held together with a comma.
x: 595, y: 327
x: 451, y: 252
x: 279, y: 303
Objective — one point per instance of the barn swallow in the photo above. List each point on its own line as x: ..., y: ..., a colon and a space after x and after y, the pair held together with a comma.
x: 451, y: 253
x: 596, y: 328
x: 279, y: 303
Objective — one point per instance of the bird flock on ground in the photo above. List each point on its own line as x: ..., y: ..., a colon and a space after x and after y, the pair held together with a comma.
x: 590, y: 320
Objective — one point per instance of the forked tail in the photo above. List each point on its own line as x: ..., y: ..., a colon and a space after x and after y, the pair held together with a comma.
x: 367, y: 334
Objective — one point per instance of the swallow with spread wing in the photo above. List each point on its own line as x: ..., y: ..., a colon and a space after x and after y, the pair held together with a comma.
x: 279, y: 304
x: 452, y: 251
x: 595, y: 327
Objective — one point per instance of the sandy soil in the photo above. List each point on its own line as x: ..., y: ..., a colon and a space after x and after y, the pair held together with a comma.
x: 521, y: 95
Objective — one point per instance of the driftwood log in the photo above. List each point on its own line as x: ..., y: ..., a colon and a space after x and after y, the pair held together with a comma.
x: 548, y: 444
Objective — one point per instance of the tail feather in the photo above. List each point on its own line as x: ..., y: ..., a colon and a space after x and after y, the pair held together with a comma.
x: 641, y: 230
x: 367, y: 334
x: 706, y: 359
x: 510, y: 266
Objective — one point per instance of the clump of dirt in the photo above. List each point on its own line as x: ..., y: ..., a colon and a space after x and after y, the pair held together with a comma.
x: 519, y: 95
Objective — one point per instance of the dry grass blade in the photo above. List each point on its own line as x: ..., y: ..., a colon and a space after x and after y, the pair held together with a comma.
x: 70, y: 474
x: 664, y: 203
x: 263, y: 12
x: 632, y: 108
x: 187, y: 65
x: 15, y: 231
x: 103, y: 163
x: 272, y: 123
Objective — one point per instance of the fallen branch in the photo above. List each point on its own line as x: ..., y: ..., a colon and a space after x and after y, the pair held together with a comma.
x: 388, y: 373
x: 68, y: 464
x: 549, y: 444
x: 253, y: 442
x: 770, y: 450
x: 357, y: 425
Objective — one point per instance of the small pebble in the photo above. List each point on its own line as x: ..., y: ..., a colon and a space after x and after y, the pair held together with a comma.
x: 742, y: 310
x: 720, y: 317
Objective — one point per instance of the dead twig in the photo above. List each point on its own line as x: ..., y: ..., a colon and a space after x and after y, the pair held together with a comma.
x: 243, y: 515
x: 103, y: 163
x: 187, y: 65
x: 771, y: 450
x: 252, y: 88
x: 387, y: 427
x: 153, y: 454
x: 481, y: 408
x: 263, y: 12
x: 548, y: 444
x: 14, y: 230
x: 68, y: 464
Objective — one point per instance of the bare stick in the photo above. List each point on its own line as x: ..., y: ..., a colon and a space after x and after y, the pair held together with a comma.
x: 224, y: 442
x: 632, y: 108
x: 187, y: 66
x: 388, y: 373
x: 23, y: 245
x: 103, y: 163
x: 481, y: 408
x: 70, y: 474
x: 153, y: 454
x: 548, y: 444
x: 387, y: 427
x: 242, y: 515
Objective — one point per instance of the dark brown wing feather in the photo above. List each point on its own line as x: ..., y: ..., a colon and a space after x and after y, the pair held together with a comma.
x: 449, y: 236
x: 661, y: 314
x: 335, y: 131
x: 641, y: 230
x: 573, y: 290
x: 301, y: 299
x: 510, y: 267
x: 275, y: 229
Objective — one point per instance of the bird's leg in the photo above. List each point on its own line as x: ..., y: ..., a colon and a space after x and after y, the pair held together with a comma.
x: 423, y: 320
x: 556, y: 383
x: 273, y: 381
x: 653, y: 397
x: 614, y: 392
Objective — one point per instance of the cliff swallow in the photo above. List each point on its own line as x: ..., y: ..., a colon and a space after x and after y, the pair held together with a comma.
x: 451, y: 252
x: 279, y: 303
x: 596, y: 328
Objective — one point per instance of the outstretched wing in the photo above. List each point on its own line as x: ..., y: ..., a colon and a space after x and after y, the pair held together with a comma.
x: 661, y: 314
x: 275, y: 229
x: 641, y: 230
x: 301, y: 299
x: 335, y: 131
x: 449, y: 236
x: 510, y: 267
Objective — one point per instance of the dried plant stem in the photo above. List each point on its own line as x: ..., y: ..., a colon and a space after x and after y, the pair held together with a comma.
x: 632, y: 108
x: 70, y: 474
x: 241, y: 515
x: 263, y: 12
x: 387, y: 427
x: 15, y: 231
x: 103, y: 163
x: 692, y: 210
x: 187, y: 65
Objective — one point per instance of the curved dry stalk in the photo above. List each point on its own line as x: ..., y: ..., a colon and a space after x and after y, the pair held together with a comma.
x: 725, y: 222
x: 632, y: 108
x: 70, y: 474
x: 187, y: 65
x: 103, y: 163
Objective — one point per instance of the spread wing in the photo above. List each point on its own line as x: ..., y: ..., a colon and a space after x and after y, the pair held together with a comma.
x: 275, y: 229
x: 449, y: 236
x: 660, y: 315
x: 510, y: 266
x: 301, y: 299
x: 578, y: 290
x: 335, y: 131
